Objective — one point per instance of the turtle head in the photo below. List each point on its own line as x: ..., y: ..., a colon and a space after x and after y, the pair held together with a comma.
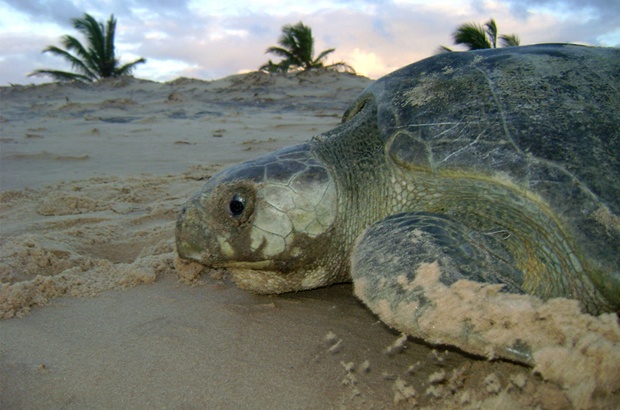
x: 267, y: 221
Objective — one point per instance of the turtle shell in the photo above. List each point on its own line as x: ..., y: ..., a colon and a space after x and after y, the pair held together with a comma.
x: 544, y: 119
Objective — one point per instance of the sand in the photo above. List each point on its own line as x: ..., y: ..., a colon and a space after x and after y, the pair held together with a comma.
x: 96, y: 315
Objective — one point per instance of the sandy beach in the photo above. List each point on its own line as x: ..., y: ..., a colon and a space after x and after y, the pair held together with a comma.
x: 95, y: 314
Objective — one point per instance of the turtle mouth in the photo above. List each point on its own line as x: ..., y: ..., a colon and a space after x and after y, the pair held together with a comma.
x: 259, y: 266
x: 200, y: 257
x: 261, y: 276
x: 253, y: 277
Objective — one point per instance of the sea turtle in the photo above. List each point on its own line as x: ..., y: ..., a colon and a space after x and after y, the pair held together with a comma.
x: 501, y: 166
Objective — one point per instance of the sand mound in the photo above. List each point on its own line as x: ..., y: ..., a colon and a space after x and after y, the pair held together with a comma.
x: 80, y: 238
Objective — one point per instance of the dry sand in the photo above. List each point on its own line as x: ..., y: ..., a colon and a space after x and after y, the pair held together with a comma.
x: 91, y: 179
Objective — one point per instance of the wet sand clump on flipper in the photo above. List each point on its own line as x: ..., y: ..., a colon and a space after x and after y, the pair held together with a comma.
x: 479, y: 319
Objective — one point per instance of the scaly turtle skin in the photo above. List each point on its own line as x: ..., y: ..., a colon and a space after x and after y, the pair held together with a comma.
x: 501, y: 165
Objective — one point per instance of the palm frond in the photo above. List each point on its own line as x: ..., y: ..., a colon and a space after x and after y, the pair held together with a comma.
x: 72, y: 44
x: 281, y: 52
x: 111, y: 61
x: 84, y: 55
x: 341, y: 67
x: 318, y: 60
x: 471, y: 35
x: 76, y: 63
x: 127, y: 69
x: 491, y: 31
x: 61, y: 75
x: 95, y: 36
x: 510, y: 40
x: 273, y: 68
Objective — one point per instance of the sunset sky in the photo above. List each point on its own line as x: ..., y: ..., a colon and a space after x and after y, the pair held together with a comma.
x: 213, y: 39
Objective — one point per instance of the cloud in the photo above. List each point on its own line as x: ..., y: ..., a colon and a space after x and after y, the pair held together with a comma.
x: 605, y: 7
x: 367, y: 63
x: 56, y: 11
x: 212, y: 39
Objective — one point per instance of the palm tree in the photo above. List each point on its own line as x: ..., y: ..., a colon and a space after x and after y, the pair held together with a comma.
x: 297, y: 51
x: 475, y: 37
x: 94, y: 61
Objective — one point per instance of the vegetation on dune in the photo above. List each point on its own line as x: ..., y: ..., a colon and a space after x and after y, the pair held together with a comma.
x: 94, y: 60
x: 296, y: 47
x: 475, y: 37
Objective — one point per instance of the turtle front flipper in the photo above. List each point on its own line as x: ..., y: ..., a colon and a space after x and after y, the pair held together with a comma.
x: 433, y: 278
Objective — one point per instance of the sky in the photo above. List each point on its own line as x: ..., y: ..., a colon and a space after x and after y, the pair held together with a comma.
x: 211, y: 39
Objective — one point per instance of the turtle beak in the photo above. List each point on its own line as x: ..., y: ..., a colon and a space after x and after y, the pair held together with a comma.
x: 189, y: 239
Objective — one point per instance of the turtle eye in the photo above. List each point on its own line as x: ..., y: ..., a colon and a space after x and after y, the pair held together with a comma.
x: 236, y: 206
